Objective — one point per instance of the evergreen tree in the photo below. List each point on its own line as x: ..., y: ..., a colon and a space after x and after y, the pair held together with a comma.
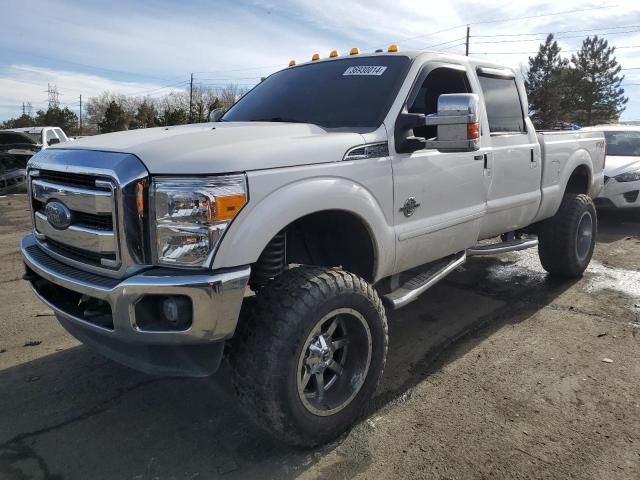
x: 545, y: 84
x: 146, y: 116
x: 55, y: 116
x: 174, y: 116
x: 115, y: 119
x: 23, y: 120
x: 595, y: 82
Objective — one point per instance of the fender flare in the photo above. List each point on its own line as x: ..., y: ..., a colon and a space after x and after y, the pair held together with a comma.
x: 260, y: 221
x: 552, y: 195
x: 579, y: 158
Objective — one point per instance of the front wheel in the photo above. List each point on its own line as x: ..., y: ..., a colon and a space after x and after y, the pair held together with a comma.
x: 567, y: 240
x: 309, y: 354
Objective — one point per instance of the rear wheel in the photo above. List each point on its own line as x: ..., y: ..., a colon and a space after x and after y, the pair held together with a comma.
x: 567, y: 240
x: 309, y: 354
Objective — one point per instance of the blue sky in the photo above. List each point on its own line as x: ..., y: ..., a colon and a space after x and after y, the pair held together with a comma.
x: 151, y: 47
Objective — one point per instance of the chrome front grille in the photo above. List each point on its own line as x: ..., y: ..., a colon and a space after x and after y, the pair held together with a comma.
x: 93, y: 230
x: 94, y: 192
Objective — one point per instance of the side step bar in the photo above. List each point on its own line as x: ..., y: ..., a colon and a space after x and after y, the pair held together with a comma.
x: 413, y: 288
x: 502, y: 247
x: 416, y: 286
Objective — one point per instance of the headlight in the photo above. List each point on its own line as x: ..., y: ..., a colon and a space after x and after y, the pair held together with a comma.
x: 628, y: 177
x: 191, y: 215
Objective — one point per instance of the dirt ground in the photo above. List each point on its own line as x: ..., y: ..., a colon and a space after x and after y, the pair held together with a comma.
x: 498, y: 372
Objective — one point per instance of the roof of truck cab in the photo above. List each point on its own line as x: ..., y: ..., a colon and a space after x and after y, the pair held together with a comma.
x: 414, y: 54
x: 28, y: 129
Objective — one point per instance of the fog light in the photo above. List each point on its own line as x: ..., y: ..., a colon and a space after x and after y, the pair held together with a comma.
x: 164, y: 313
x: 170, y: 309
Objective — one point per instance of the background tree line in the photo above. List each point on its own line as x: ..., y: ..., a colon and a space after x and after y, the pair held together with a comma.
x: 584, y: 90
x: 112, y: 112
x: 53, y: 116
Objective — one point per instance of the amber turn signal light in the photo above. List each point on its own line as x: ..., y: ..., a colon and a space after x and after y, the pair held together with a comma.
x: 140, y: 198
x: 228, y: 206
x: 473, y: 131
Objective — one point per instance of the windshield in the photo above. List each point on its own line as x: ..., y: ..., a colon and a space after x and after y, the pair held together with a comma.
x: 350, y: 92
x: 7, y: 137
x: 623, y: 144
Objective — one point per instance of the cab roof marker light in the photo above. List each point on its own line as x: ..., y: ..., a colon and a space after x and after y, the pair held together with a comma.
x: 292, y: 63
x: 393, y: 48
x: 354, y: 51
x: 334, y: 54
x: 315, y: 56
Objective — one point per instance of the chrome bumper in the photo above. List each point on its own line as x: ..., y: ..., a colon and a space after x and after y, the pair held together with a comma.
x: 216, y: 301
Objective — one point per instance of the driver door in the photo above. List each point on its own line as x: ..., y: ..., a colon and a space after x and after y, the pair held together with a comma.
x: 439, y: 198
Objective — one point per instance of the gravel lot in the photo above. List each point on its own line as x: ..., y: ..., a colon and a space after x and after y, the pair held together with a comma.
x: 497, y: 372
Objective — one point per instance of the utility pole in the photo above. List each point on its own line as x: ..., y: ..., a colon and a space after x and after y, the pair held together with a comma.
x: 466, y: 49
x: 191, y: 100
x: 80, y: 127
x: 24, y: 112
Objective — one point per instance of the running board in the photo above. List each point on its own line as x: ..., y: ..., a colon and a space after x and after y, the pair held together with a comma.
x: 502, y: 247
x: 416, y: 286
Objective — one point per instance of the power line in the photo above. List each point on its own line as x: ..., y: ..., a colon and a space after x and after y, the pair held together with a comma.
x: 443, y: 43
x: 242, y: 69
x: 559, y: 32
x: 452, y: 46
x: 542, y: 15
x: 529, y: 53
x: 503, y: 20
x: 542, y: 39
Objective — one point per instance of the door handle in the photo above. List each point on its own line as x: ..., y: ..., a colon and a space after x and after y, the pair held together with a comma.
x: 478, y: 157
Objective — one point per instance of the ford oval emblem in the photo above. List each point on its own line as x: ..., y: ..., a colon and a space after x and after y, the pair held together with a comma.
x: 58, y: 215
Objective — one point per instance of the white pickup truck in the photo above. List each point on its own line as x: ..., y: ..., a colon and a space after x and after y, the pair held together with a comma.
x: 331, y: 192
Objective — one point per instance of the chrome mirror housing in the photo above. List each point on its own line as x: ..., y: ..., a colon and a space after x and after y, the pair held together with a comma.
x: 458, y: 123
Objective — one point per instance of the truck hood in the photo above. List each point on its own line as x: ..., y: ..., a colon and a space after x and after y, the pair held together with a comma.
x: 616, y: 165
x: 209, y: 148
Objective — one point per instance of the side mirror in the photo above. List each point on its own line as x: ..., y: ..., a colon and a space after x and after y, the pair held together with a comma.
x: 53, y: 141
x: 406, y: 142
x: 458, y: 123
x: 216, y: 114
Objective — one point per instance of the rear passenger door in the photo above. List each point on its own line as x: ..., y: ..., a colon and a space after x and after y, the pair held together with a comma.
x: 513, y: 162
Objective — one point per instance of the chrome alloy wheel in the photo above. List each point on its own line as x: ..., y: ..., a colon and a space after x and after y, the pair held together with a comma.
x: 334, y: 362
x: 584, y: 236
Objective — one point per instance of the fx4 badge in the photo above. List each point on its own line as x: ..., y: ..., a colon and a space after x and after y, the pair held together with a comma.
x: 409, y: 206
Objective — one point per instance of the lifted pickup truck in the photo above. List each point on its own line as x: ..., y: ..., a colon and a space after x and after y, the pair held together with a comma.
x: 331, y: 192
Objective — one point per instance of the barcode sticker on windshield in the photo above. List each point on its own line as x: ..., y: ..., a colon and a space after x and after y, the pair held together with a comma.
x: 376, y: 70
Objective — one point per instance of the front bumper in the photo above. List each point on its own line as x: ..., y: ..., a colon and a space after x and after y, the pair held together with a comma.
x: 619, y: 195
x: 216, y: 299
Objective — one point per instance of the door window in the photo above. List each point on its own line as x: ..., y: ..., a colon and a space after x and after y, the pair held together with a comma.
x: 439, y: 81
x: 50, y: 134
x: 502, y: 101
x: 61, y: 135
